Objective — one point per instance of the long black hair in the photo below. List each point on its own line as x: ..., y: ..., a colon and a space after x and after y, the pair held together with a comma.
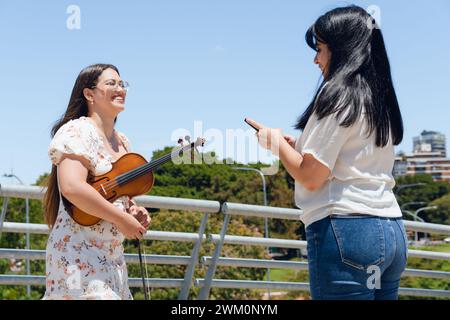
x: 358, y: 77
x: 76, y: 108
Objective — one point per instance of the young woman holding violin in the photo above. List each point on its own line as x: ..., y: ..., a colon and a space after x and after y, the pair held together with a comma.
x: 87, y: 261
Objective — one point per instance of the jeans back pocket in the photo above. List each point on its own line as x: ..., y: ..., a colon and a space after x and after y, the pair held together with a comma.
x: 360, y: 240
x: 405, y: 236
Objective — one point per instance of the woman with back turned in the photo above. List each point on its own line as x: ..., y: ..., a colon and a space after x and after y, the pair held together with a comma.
x: 342, y: 162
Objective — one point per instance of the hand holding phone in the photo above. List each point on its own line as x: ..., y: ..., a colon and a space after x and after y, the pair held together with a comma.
x: 255, y: 125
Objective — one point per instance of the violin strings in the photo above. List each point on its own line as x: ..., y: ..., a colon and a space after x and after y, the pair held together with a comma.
x: 147, y: 167
x: 152, y: 165
x: 115, y: 182
x: 135, y: 173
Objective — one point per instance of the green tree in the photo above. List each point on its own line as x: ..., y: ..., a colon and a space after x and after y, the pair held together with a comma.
x: 442, y: 214
x: 429, y: 191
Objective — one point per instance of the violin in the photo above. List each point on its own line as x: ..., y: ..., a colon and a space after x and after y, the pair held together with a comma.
x: 131, y: 175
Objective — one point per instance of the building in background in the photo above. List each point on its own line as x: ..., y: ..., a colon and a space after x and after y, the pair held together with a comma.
x: 430, y: 141
x: 428, y: 157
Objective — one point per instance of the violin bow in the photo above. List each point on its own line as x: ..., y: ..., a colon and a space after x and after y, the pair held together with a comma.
x: 141, y: 249
x: 144, y: 276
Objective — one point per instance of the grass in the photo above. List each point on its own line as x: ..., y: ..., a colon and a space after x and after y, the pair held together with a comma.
x: 281, y: 275
x: 287, y: 275
x: 445, y: 247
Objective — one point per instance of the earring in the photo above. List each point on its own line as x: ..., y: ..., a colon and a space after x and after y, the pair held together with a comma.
x: 92, y: 101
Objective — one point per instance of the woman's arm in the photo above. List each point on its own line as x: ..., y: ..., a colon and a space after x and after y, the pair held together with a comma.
x: 306, y: 170
x: 72, y: 175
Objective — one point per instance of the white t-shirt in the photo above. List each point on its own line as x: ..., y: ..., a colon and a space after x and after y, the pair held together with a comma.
x: 361, y: 178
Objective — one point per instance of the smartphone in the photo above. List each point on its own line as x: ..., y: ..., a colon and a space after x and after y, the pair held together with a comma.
x: 257, y: 130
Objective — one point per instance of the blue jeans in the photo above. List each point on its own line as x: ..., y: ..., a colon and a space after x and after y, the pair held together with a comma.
x: 356, y: 257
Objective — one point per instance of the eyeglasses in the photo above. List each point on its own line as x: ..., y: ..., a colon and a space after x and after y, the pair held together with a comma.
x: 113, y: 84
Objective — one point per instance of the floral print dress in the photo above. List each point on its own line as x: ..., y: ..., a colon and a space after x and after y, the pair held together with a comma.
x: 85, y: 262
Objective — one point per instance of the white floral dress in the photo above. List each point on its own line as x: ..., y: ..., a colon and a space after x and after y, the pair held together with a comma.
x: 85, y: 262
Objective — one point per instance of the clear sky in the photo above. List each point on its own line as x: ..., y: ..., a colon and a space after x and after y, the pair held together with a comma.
x: 207, y: 60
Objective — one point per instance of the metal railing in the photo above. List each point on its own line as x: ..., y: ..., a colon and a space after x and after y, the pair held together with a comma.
x: 207, y: 208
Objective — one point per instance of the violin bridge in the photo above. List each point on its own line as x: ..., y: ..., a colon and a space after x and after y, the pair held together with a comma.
x: 104, y: 191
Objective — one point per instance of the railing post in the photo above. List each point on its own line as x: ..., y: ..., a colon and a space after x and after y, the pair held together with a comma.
x: 204, y: 291
x: 2, y: 217
x: 27, y: 241
x: 184, y: 293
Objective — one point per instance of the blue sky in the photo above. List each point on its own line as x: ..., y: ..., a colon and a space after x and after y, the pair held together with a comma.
x: 213, y: 61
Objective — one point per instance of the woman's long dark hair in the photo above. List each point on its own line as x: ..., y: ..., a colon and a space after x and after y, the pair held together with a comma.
x: 77, y: 108
x: 359, y: 75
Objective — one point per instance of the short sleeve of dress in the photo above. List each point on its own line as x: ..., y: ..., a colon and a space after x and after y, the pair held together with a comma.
x: 74, y: 137
x: 324, y: 139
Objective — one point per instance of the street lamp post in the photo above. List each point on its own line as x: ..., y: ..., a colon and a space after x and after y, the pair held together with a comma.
x: 263, y: 178
x: 27, y: 220
x: 412, y: 203
x: 416, y: 213
x: 415, y: 217
x: 404, y: 186
x: 266, y: 223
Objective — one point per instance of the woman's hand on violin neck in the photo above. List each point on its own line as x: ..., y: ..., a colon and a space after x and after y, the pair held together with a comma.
x: 130, y: 227
x: 140, y: 214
